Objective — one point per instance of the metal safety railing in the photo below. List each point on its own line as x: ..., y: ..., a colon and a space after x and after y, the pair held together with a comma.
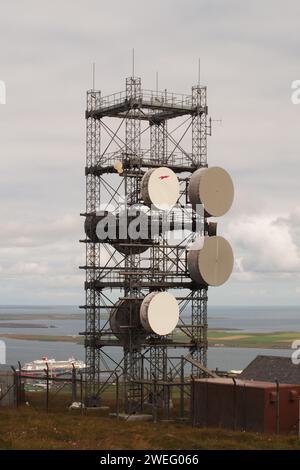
x: 151, y: 97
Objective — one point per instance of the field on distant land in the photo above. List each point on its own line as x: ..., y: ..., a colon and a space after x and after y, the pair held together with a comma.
x: 222, y: 338
x: 275, y: 340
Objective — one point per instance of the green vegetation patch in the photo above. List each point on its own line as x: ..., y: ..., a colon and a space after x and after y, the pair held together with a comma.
x: 35, y: 429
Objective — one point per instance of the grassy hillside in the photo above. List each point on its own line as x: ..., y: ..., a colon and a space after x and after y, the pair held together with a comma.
x: 34, y: 429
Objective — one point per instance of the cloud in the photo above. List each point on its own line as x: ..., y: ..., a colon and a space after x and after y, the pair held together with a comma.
x: 25, y: 233
x: 30, y: 268
x: 248, y: 60
x: 265, y: 244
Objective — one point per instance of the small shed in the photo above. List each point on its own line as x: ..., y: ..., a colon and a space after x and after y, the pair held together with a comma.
x: 245, y: 405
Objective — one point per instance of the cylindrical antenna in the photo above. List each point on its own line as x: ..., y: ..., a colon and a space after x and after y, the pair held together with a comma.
x: 133, y: 62
x: 156, y: 82
x: 199, y: 71
x: 94, y: 71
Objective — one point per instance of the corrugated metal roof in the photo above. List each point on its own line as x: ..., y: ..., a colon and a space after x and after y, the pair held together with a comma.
x: 272, y: 368
x: 241, y: 383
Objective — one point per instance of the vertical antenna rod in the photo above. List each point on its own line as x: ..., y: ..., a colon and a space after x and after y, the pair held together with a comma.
x: 156, y: 82
x: 199, y: 71
x: 133, y: 62
x: 94, y: 71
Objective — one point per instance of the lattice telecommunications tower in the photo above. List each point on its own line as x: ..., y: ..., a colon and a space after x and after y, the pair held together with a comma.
x: 151, y: 247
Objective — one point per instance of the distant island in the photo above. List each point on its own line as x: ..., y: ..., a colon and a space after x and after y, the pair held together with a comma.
x: 216, y: 338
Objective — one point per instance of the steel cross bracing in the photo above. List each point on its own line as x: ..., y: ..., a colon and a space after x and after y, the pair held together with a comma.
x: 110, y: 275
x: 92, y: 327
x: 132, y: 363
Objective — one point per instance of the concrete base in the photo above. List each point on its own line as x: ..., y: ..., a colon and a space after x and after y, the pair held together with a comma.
x: 182, y: 420
x: 97, y: 408
x: 136, y: 417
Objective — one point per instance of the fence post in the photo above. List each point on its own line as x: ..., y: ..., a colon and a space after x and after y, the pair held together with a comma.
x: 182, y: 388
x: 19, y: 384
x: 299, y: 416
x: 74, y: 384
x: 47, y: 386
x: 155, y: 399
x: 117, y: 396
x: 234, y: 404
x: 81, y: 392
x: 16, y: 387
x: 192, y: 402
x: 142, y: 383
x: 277, y: 407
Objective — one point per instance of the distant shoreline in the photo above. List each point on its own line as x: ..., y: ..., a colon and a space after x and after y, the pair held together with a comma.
x: 40, y: 316
x: 24, y: 325
x: 216, y: 338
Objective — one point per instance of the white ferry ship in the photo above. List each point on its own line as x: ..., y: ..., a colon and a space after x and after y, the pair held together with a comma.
x: 55, y: 367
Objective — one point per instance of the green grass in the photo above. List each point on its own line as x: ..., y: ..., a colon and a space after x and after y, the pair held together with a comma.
x: 35, y: 429
x: 274, y: 340
x: 31, y: 337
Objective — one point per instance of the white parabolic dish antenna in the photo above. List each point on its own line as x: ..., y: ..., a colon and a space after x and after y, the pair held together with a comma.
x: 159, y: 313
x: 212, y: 187
x: 160, y: 187
x: 212, y: 264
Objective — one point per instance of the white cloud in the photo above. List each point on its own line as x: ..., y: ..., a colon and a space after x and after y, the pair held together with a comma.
x: 30, y: 268
x: 265, y: 245
x: 249, y: 58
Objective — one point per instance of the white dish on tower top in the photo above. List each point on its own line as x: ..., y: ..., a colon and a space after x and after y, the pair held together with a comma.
x: 159, y: 313
x: 160, y: 187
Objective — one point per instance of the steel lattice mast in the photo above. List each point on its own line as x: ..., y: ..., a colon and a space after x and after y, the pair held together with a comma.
x: 148, y: 367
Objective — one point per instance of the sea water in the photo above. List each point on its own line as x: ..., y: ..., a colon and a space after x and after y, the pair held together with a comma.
x: 243, y: 318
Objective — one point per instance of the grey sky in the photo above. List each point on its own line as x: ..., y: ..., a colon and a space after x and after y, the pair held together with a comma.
x: 249, y: 57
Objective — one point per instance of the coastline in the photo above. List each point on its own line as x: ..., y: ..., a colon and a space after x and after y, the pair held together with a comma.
x: 216, y: 338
